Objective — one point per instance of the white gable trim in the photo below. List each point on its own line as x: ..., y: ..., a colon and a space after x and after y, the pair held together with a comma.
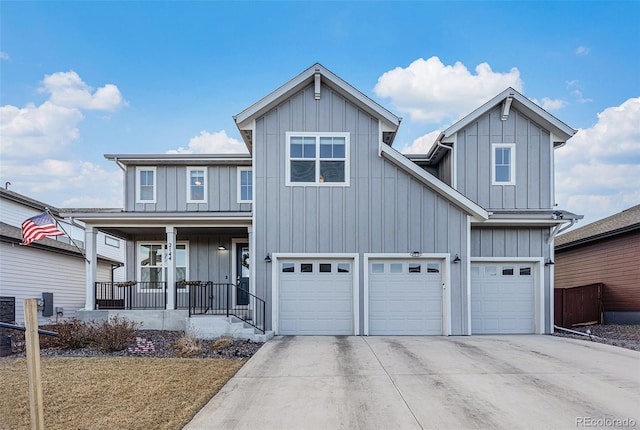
x: 433, y: 182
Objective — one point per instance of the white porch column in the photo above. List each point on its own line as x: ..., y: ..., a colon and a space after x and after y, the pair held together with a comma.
x: 171, y: 267
x: 91, y: 267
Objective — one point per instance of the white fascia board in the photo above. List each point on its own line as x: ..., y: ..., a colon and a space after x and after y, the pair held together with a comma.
x: 307, y: 78
x: 434, y: 183
x: 519, y: 101
x: 185, y: 159
x: 522, y: 221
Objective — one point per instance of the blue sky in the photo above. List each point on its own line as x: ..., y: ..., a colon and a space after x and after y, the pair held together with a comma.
x: 81, y: 79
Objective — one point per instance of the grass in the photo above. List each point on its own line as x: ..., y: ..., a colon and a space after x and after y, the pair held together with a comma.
x: 113, y: 392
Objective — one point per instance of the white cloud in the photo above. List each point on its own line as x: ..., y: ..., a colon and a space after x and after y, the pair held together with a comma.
x: 430, y: 91
x: 37, y: 130
x: 422, y: 144
x: 69, y: 90
x: 73, y: 183
x: 550, y: 104
x: 582, y: 50
x: 598, y: 171
x: 212, y: 143
x: 4, y: 55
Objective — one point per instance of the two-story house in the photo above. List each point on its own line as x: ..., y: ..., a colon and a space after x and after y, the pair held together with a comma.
x: 325, y: 229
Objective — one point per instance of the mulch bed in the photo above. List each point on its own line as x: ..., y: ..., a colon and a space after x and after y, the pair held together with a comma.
x: 624, y: 336
x: 154, y: 343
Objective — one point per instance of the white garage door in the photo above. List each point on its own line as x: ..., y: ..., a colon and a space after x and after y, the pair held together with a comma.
x: 405, y: 297
x: 315, y: 297
x: 502, y: 298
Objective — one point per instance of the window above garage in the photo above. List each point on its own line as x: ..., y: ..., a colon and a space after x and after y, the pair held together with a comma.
x: 317, y: 159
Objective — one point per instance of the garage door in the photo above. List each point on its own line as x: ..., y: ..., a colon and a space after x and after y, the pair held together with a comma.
x: 405, y: 297
x: 315, y: 297
x: 502, y: 298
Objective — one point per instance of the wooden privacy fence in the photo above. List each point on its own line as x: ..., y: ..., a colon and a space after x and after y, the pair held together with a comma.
x: 578, y: 305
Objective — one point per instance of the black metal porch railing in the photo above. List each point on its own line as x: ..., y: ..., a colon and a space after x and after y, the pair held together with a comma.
x: 209, y: 298
x: 131, y: 295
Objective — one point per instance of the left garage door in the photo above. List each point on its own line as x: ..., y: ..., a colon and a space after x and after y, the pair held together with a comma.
x: 315, y: 297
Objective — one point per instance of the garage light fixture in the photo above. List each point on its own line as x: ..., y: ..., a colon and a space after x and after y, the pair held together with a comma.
x: 549, y: 262
x: 456, y: 259
x: 416, y: 254
x: 267, y: 259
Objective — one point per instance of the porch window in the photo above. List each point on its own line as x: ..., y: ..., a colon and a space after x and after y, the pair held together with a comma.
x: 503, y: 157
x: 146, y: 185
x: 320, y: 159
x: 245, y: 185
x: 196, y: 184
x: 153, y: 264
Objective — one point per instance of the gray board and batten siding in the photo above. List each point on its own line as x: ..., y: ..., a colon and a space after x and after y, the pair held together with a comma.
x: 383, y: 210
x: 533, y: 187
x: 171, y: 189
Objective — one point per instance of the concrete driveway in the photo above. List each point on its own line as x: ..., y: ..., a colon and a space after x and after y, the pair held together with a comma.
x: 479, y: 382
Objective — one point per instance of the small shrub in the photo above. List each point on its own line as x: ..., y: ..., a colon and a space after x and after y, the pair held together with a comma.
x: 112, y: 334
x: 72, y: 334
x: 222, y: 343
x: 188, y: 346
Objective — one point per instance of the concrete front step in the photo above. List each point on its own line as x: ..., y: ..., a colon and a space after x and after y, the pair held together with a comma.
x: 213, y: 327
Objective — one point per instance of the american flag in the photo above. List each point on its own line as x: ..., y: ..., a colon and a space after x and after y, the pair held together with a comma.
x: 37, y: 227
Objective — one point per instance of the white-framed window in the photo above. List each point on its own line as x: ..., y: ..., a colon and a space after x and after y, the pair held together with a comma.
x: 112, y: 241
x: 152, y: 264
x: 196, y: 184
x: 319, y: 159
x: 503, y: 164
x: 245, y: 185
x: 146, y: 184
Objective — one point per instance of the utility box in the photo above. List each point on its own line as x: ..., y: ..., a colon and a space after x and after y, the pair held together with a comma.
x: 47, y: 299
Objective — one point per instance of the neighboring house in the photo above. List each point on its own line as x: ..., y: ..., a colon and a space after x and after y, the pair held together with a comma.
x: 52, y: 265
x: 344, y: 235
x: 606, y: 252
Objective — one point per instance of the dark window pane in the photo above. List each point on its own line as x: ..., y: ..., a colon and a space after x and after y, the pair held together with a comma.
x: 338, y: 151
x: 332, y: 171
x: 507, y: 271
x: 296, y: 150
x: 303, y: 171
x: 288, y: 267
x: 309, y: 149
x: 326, y: 151
x: 306, y: 268
x: 344, y: 268
x: 525, y: 271
x: 415, y: 268
x: 325, y: 268
x: 433, y: 268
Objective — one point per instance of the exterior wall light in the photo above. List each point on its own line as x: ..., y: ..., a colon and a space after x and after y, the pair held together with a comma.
x: 416, y: 254
x: 456, y: 259
x: 549, y: 262
x: 267, y: 259
x: 221, y: 247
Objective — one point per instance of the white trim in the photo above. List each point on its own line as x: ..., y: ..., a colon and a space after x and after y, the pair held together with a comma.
x: 512, y: 163
x: 275, y: 283
x: 539, y: 295
x: 139, y: 170
x: 454, y: 161
x: 434, y: 183
x: 234, y: 263
x: 468, y: 275
x: 205, y: 187
x: 446, y: 275
x: 317, y: 159
x: 239, y: 171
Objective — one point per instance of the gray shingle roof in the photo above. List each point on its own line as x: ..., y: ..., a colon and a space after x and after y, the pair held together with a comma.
x: 627, y: 220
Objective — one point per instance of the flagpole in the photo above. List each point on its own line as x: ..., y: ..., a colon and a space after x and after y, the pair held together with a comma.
x: 73, y: 242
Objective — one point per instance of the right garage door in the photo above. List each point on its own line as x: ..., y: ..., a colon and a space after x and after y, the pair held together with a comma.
x: 502, y: 298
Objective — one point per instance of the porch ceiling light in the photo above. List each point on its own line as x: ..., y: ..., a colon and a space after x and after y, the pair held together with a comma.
x: 221, y: 247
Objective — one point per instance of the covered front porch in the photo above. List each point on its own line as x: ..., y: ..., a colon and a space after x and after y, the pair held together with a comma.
x: 176, y: 266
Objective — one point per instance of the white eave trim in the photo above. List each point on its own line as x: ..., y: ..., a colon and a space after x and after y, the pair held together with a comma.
x: 308, y: 77
x: 434, y: 183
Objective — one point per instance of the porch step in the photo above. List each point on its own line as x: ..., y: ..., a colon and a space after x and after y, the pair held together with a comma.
x: 214, y: 326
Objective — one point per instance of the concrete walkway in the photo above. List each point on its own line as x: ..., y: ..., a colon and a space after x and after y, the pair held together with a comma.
x: 478, y: 382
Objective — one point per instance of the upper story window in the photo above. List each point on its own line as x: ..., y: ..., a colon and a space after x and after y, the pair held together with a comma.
x: 317, y: 159
x: 503, y: 166
x: 146, y: 185
x: 245, y: 185
x: 196, y: 184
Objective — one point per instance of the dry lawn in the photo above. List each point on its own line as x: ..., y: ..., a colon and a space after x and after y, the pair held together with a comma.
x: 114, y: 392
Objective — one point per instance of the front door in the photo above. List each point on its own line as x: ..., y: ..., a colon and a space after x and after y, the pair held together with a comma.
x: 242, y: 270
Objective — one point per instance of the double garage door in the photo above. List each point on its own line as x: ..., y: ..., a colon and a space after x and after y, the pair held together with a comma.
x: 317, y: 297
x: 502, y: 298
